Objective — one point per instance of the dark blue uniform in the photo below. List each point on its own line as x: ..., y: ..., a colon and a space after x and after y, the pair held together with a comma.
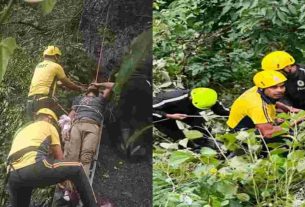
x: 295, y: 88
x: 178, y: 101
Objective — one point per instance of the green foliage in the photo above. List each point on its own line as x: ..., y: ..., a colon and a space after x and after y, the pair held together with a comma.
x: 138, y: 54
x: 219, y: 41
x: 7, y: 47
x: 184, y: 178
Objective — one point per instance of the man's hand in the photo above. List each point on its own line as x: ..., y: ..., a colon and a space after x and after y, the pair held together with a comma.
x: 278, y: 121
x: 294, y: 110
x: 105, y: 84
x: 176, y: 116
x: 281, y: 107
x: 82, y: 88
x: 268, y: 129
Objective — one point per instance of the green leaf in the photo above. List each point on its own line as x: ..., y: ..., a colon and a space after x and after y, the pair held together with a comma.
x: 165, y: 85
x: 169, y: 145
x: 279, y: 151
x: 224, y: 203
x: 179, y: 157
x: 183, y: 142
x: 292, y: 9
x: 7, y: 47
x: 282, y: 16
x: 229, y: 140
x: 265, y: 193
x: 254, y: 4
x: 243, y: 197
x: 301, y: 165
x: 301, y: 17
x: 296, y: 154
x: 208, y: 152
x: 192, y: 134
x: 284, y: 9
x: 238, y: 163
x: 246, y: 4
x: 47, y: 6
x: 227, y: 188
x: 302, y: 27
x: 242, y: 135
x: 226, y: 9
x: 216, y: 202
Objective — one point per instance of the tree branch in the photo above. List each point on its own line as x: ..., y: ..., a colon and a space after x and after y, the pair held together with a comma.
x: 28, y: 24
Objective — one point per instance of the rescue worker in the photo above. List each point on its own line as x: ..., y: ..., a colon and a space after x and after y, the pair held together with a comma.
x: 295, y: 73
x: 32, y: 166
x: 255, y: 108
x: 181, y: 105
x: 44, y: 80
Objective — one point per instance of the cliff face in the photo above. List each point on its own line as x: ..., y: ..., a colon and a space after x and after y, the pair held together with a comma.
x: 113, y: 24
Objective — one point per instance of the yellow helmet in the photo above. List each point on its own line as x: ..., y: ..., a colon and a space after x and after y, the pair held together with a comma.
x: 52, y: 50
x: 277, y: 60
x: 48, y: 112
x: 203, y: 98
x: 268, y: 78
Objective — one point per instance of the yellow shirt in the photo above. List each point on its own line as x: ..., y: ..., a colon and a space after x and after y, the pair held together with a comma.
x: 250, y: 109
x: 45, y: 76
x: 39, y: 134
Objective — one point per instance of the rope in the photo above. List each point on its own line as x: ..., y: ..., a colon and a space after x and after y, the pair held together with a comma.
x: 102, y: 44
x: 60, y: 106
x: 189, y: 116
x: 198, y: 116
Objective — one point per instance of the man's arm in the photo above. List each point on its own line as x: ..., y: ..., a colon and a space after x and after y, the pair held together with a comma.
x: 268, y: 129
x: 160, y: 114
x: 108, y: 85
x: 106, y: 93
x: 69, y: 84
x: 57, y: 152
x: 286, y: 108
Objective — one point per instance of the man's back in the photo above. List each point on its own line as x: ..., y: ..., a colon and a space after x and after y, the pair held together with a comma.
x: 250, y: 109
x: 44, y: 79
x: 89, y: 107
x: 34, y: 140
